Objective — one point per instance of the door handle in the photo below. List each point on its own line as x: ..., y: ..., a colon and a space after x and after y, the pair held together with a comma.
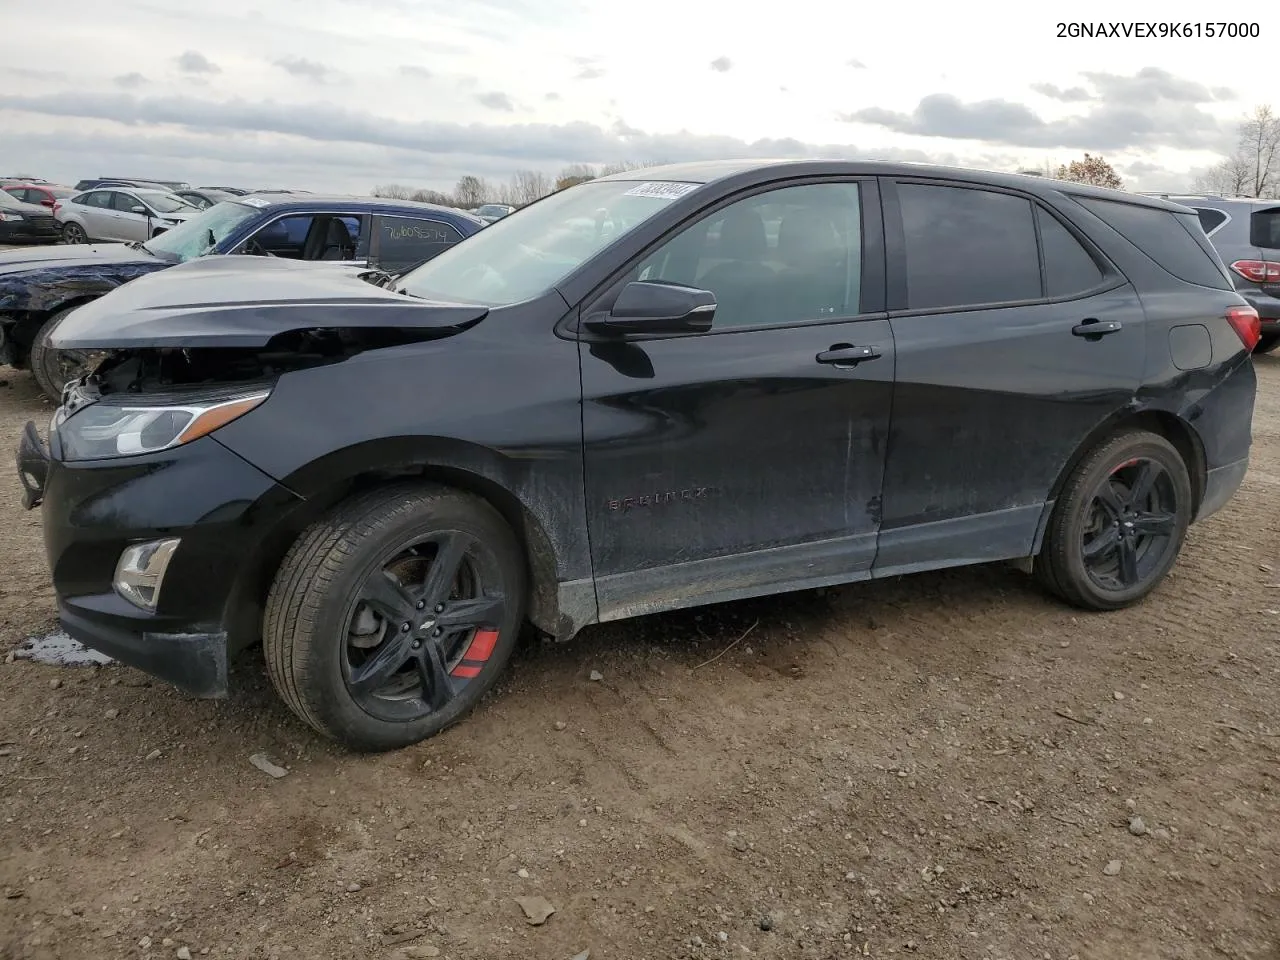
x: 847, y: 355
x: 1092, y: 329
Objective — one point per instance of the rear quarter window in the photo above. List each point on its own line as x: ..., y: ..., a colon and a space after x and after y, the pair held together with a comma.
x: 1264, y: 228
x: 1210, y: 220
x: 1162, y: 236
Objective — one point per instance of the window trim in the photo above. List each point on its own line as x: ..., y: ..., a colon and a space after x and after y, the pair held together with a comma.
x: 871, y: 286
x: 375, y: 237
x: 1227, y: 219
x: 896, y: 251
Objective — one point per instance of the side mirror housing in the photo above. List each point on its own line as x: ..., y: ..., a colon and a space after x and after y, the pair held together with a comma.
x: 138, y: 209
x: 646, y: 307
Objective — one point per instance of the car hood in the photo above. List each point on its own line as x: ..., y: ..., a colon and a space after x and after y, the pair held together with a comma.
x: 97, y: 254
x: 242, y: 301
x: 30, y: 209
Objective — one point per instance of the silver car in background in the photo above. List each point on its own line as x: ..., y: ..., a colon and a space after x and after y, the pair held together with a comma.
x: 120, y: 213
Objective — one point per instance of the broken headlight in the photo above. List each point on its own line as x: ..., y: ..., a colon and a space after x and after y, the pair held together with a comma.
x: 128, y: 428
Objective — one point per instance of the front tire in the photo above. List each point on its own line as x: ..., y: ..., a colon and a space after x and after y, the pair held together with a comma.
x: 53, y: 368
x: 390, y: 618
x: 1119, y: 524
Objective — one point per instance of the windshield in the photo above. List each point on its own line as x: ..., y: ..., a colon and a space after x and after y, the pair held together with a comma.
x: 528, y: 252
x: 197, y: 236
x: 163, y: 202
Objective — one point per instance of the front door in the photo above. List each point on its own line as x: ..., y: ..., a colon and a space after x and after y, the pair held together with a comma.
x: 999, y: 381
x: 128, y: 224
x: 746, y: 460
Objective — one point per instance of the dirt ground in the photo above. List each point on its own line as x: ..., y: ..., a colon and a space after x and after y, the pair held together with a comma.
x: 940, y: 766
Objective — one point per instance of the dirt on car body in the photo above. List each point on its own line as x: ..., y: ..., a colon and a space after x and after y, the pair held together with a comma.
x: 943, y: 765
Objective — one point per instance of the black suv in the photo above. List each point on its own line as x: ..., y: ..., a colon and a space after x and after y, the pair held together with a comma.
x: 1246, y: 233
x: 719, y: 381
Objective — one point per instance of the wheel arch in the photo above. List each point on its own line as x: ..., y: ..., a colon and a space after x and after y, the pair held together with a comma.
x: 1164, y: 423
x: 375, y: 468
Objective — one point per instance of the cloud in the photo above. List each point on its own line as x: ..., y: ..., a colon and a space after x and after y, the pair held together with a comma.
x: 1149, y: 109
x: 551, y: 96
x: 130, y: 81
x: 856, y: 64
x: 495, y: 100
x: 589, y: 73
x: 413, y: 70
x: 1070, y: 95
x: 316, y: 127
x: 306, y: 69
x: 27, y: 73
x: 722, y: 64
x: 194, y: 62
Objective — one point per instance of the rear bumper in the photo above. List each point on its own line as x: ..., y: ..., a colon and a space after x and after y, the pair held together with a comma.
x: 21, y: 231
x: 1268, y: 308
x: 1220, y: 485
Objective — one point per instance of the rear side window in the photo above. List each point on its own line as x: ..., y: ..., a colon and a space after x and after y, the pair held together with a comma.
x: 1264, y: 228
x: 1211, y: 220
x: 1068, y: 267
x: 967, y: 247
x: 404, y: 242
x: 1161, y: 235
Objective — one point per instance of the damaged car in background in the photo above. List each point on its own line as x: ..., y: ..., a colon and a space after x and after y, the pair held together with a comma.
x: 740, y: 379
x: 39, y: 287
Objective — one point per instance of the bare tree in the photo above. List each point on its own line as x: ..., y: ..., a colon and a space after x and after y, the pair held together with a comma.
x: 471, y: 191
x: 1253, y: 170
x: 1092, y: 170
x: 1233, y: 177
x: 574, y: 174
x: 530, y: 185
x: 393, y: 191
x: 433, y: 196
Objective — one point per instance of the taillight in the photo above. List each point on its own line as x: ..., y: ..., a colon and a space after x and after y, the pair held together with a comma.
x: 1259, y: 271
x: 1247, y: 325
x: 57, y: 205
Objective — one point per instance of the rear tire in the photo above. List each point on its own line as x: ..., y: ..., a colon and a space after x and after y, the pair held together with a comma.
x: 74, y: 233
x: 53, y: 368
x: 1119, y: 524
x: 1267, y: 342
x: 365, y: 663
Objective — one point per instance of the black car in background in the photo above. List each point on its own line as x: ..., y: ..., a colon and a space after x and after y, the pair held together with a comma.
x: 22, y: 222
x: 40, y: 287
x: 721, y: 381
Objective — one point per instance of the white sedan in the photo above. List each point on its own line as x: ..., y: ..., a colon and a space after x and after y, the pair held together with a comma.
x: 119, y: 213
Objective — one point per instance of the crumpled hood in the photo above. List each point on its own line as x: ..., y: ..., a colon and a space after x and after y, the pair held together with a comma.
x: 42, y: 258
x: 244, y: 301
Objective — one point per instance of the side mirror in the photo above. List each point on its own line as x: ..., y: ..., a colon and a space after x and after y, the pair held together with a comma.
x: 138, y: 209
x: 644, y: 307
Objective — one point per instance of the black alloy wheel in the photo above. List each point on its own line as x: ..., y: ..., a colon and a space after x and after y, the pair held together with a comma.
x: 422, y: 626
x: 1133, y: 523
x: 389, y: 618
x: 1118, y: 523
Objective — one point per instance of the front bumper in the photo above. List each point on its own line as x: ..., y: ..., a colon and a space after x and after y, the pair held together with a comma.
x: 219, y: 506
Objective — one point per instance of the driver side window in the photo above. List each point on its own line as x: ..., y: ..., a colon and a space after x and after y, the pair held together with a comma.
x: 779, y: 257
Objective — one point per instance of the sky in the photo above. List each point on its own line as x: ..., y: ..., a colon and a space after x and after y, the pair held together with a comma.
x: 344, y: 95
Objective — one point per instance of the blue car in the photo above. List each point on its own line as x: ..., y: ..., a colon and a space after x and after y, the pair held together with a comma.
x: 39, y: 287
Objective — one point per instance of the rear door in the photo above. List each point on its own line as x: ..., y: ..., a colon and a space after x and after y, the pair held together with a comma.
x: 1015, y: 338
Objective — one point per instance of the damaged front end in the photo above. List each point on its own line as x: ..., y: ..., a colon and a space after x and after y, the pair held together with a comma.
x: 149, y: 521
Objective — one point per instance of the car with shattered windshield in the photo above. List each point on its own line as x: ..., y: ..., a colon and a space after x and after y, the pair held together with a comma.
x: 650, y: 391
x: 39, y: 287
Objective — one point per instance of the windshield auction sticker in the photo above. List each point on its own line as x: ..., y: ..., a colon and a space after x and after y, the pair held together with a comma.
x: 660, y: 189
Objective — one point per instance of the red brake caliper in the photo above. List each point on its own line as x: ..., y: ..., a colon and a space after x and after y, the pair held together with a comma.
x: 478, y: 653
